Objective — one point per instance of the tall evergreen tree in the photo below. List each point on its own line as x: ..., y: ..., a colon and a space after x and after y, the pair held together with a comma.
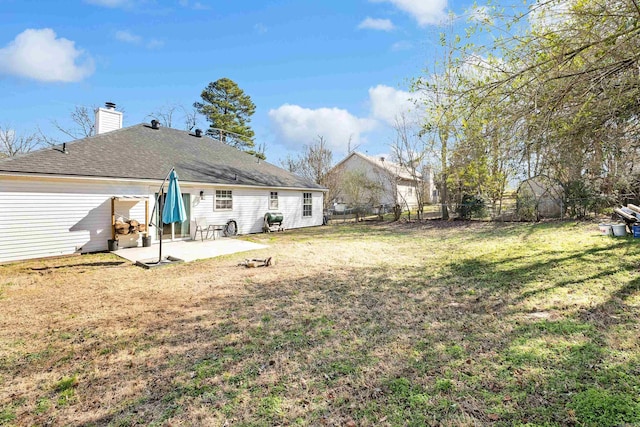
x: 228, y: 110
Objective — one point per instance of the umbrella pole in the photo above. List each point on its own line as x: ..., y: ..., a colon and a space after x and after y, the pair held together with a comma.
x: 161, y: 224
x: 159, y: 204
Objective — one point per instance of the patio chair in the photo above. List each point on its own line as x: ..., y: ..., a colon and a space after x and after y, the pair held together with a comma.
x: 203, y: 227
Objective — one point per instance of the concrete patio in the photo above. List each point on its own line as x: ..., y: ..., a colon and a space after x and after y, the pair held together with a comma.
x: 189, y: 250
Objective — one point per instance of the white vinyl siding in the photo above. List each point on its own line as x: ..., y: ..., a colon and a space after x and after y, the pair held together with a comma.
x: 49, y: 217
x: 108, y: 120
x: 39, y: 219
x: 251, y: 204
x: 406, y: 194
x: 403, y: 191
x: 224, y: 200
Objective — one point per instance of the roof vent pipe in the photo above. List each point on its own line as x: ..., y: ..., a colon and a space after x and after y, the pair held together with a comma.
x: 64, y: 147
x: 155, y: 124
x: 199, y: 133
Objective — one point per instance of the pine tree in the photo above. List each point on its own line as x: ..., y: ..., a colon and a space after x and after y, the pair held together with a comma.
x: 228, y: 110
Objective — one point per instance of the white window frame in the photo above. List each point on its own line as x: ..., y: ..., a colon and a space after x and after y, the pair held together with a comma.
x: 273, y: 200
x: 221, y: 196
x: 307, y: 204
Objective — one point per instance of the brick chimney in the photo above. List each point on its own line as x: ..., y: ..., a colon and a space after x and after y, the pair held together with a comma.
x: 107, y: 118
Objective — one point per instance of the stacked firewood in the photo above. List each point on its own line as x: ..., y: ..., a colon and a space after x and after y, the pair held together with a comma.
x: 131, y: 226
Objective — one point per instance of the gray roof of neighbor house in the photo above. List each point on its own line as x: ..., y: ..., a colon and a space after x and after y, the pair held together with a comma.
x: 141, y: 152
x: 391, y: 167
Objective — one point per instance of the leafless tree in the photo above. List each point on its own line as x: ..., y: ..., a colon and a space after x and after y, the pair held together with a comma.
x: 314, y: 163
x: 168, y: 114
x: 82, y: 126
x: 410, y: 154
x: 386, y: 179
x: 351, y: 148
x: 360, y: 190
x: 12, y: 143
x: 84, y: 122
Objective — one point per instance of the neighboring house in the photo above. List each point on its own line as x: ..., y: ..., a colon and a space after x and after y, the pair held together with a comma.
x: 396, y: 183
x: 58, y: 201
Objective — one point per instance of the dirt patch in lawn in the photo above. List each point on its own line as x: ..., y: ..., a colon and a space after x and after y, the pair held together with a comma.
x: 369, y: 324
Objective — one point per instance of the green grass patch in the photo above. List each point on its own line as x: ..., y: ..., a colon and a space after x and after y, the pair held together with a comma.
x: 598, y: 407
x: 7, y: 416
x: 65, y: 389
x: 43, y: 405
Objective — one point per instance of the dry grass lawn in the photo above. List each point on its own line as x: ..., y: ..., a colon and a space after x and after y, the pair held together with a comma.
x: 368, y: 324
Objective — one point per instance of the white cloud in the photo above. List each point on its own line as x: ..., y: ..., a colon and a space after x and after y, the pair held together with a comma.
x: 549, y: 15
x: 199, y: 6
x: 39, y: 55
x: 480, y: 14
x: 388, y: 104
x: 108, y: 3
x: 260, y: 28
x: 376, y: 24
x: 195, y: 5
x: 128, y: 37
x: 296, y: 126
x: 154, y: 44
x: 426, y: 12
x: 401, y: 45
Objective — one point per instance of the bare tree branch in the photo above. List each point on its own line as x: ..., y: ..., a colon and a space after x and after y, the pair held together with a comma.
x: 13, y: 144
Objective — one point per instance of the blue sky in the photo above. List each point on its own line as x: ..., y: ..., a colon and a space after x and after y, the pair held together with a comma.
x: 336, y: 68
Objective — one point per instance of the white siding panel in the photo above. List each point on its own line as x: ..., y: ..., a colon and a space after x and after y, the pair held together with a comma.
x: 250, y: 206
x: 108, y: 120
x: 405, y: 190
x: 39, y: 218
x: 293, y: 210
x: 358, y: 164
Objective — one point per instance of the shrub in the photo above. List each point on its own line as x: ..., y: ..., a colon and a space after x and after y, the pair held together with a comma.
x: 471, y: 206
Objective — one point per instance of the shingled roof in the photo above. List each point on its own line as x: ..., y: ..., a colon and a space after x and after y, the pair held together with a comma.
x: 396, y: 170
x: 141, y: 152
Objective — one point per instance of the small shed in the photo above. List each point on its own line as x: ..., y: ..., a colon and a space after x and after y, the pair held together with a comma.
x: 539, y: 197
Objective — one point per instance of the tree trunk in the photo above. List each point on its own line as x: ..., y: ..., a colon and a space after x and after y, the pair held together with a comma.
x: 443, y: 202
x: 397, y: 211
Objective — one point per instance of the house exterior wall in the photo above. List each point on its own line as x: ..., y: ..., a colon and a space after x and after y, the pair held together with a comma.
x: 42, y: 217
x: 407, y: 194
x: 405, y: 190
x: 251, y: 204
x: 358, y: 164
